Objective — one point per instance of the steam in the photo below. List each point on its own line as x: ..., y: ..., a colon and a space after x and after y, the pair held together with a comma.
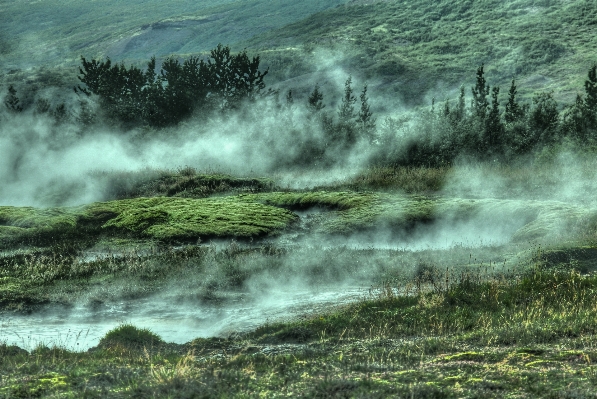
x: 43, y: 163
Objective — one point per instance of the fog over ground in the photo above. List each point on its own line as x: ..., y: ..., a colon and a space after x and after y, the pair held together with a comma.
x: 47, y: 164
x: 43, y: 163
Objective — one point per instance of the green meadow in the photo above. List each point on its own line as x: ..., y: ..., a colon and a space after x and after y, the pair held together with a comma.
x: 460, y: 253
x: 513, y: 319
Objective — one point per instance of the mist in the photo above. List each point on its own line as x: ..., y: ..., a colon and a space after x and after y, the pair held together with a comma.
x: 47, y: 164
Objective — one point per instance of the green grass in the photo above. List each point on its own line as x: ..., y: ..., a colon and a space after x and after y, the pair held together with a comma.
x: 511, y: 320
x: 243, y: 216
x: 408, y: 49
x: 128, y: 336
x: 160, y: 218
x: 184, y: 219
x: 137, y: 29
x: 405, y: 50
x: 356, y: 211
x: 527, y: 335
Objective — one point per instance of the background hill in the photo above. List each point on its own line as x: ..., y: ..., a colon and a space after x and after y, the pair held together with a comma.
x: 41, y: 41
x: 417, y: 49
x: 408, y: 51
x: 54, y: 31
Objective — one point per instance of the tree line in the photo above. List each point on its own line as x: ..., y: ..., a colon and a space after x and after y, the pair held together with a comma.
x: 225, y: 83
x: 487, y: 129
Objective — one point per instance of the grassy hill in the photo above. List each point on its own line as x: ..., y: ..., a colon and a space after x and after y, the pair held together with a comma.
x: 57, y: 32
x: 410, y: 48
x: 408, y: 51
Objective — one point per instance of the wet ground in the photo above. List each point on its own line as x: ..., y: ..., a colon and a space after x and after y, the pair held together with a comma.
x: 172, y: 319
x: 180, y: 320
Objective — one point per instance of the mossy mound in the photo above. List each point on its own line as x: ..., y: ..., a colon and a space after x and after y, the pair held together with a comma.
x: 130, y: 337
x: 183, y: 218
x: 187, y: 183
x: 36, y: 225
x: 349, y: 212
x: 266, y: 214
x: 160, y: 218
x: 198, y: 186
x: 330, y: 200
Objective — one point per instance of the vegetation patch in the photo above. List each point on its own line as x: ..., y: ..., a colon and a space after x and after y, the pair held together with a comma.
x: 35, y: 226
x: 184, y: 219
x: 270, y: 213
x: 384, y: 346
x: 158, y: 218
x: 410, y: 47
x: 130, y: 337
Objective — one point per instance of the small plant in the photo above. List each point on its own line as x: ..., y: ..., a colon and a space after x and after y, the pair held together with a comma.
x: 131, y: 337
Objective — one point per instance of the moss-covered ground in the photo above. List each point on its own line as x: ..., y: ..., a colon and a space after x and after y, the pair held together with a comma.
x: 247, y: 216
x: 511, y: 320
x: 527, y: 335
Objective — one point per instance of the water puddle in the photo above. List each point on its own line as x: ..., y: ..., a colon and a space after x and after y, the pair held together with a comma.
x: 172, y: 319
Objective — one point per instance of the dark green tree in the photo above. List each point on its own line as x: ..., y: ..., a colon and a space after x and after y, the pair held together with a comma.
x: 446, y: 109
x: 494, y: 128
x: 61, y: 114
x: 42, y: 106
x: 12, y: 102
x: 543, y: 118
x: 575, y: 123
x: 480, y: 92
x: 180, y: 89
x: 460, y: 111
x: 591, y: 97
x: 365, y: 119
x: 85, y: 117
x: 120, y: 90
x: 232, y: 79
x: 514, y: 111
x: 346, y: 112
x: 315, y: 101
x: 344, y: 132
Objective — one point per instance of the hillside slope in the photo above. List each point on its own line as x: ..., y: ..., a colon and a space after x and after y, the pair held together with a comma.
x: 55, y: 32
x: 411, y: 48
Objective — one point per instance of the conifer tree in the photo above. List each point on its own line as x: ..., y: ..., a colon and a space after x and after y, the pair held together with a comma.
x: 365, y: 117
x: 493, y: 125
x: 480, y: 92
x: 315, y: 102
x: 544, y: 117
x: 346, y: 112
x: 60, y: 114
x: 42, y: 106
x: 575, y: 122
x: 12, y: 101
x: 461, y: 105
x: 513, y: 111
x: 344, y: 133
x: 591, y: 97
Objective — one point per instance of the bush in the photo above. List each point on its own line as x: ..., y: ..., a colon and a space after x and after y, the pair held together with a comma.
x: 130, y: 337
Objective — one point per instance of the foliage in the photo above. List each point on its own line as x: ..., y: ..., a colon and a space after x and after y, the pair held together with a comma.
x: 526, y: 333
x: 315, y: 100
x: 479, y: 103
x: 12, y: 101
x: 159, y: 218
x: 129, y: 336
x: 365, y: 119
x: 513, y: 112
x: 419, y: 46
x: 135, y: 97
